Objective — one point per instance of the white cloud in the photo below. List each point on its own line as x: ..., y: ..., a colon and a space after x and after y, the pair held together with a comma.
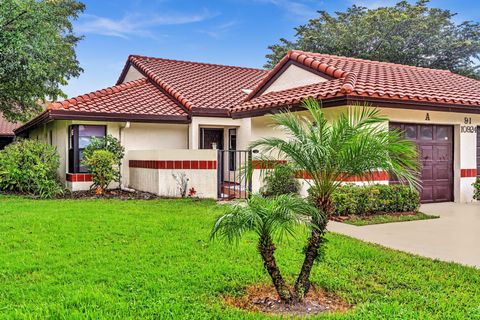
x: 219, y: 30
x: 296, y: 8
x: 135, y: 24
x: 374, y: 4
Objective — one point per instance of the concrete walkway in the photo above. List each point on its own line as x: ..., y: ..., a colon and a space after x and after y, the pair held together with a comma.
x: 455, y: 236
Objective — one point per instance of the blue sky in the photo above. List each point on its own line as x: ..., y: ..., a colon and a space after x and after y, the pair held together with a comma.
x: 233, y: 32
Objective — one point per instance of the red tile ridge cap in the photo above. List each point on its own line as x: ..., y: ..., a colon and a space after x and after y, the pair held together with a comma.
x: 399, y: 65
x: 304, y: 58
x: 349, y: 83
x: 162, y: 84
x: 140, y: 57
x: 95, y: 94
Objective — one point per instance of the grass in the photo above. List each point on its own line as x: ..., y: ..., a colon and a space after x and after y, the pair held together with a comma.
x: 97, y: 259
x: 387, y: 218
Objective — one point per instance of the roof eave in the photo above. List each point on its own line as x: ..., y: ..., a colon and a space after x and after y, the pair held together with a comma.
x: 370, y: 101
x: 51, y: 115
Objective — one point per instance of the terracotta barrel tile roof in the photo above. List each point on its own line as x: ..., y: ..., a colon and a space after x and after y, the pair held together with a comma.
x: 365, y: 78
x: 7, y: 127
x: 200, y: 85
x: 135, y: 97
x: 293, y: 96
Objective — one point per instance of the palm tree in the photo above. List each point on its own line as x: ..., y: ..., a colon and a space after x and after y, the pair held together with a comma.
x: 357, y: 143
x: 271, y: 219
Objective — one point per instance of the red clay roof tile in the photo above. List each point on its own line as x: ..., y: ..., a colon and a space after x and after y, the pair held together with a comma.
x: 6, y: 127
x: 135, y: 97
x: 374, y: 79
x: 199, y: 85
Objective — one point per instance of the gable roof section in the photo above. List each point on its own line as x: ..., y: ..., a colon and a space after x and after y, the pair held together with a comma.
x: 139, y: 100
x: 365, y: 79
x: 198, y: 85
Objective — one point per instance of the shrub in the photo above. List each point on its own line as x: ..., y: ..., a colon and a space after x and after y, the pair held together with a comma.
x: 280, y: 180
x: 30, y: 166
x: 103, y: 169
x: 367, y: 200
x: 476, y: 189
x: 108, y: 143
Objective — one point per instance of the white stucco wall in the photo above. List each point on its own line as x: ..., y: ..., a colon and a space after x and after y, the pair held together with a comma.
x: 133, y: 74
x: 293, y: 77
x: 163, y: 183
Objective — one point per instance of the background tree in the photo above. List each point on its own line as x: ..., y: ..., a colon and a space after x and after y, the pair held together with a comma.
x: 354, y: 144
x: 410, y: 34
x: 37, y: 53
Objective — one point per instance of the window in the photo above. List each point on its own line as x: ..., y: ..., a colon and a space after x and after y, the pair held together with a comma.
x: 80, y: 137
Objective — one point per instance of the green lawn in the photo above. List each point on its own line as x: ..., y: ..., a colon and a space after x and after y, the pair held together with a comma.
x: 152, y: 259
x: 387, y: 218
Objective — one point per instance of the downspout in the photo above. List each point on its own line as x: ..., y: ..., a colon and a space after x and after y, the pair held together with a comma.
x: 121, y: 130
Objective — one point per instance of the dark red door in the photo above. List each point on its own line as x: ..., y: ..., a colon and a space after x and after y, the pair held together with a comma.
x: 478, y: 151
x: 435, y: 145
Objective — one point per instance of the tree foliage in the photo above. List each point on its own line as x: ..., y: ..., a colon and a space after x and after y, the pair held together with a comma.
x: 37, y: 53
x: 411, y: 34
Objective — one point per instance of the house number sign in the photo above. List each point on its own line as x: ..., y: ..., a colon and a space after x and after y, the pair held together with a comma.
x: 468, y: 128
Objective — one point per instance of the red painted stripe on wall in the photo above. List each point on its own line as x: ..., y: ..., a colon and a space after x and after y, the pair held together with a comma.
x: 376, y: 176
x: 79, y: 177
x: 174, y: 164
x: 468, y: 173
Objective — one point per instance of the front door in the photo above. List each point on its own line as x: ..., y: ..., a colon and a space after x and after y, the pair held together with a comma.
x: 211, y: 138
x: 435, y: 146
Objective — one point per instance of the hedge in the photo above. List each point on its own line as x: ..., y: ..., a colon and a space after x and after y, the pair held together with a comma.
x: 367, y: 200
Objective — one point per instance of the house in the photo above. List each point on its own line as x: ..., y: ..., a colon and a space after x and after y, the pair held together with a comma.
x: 172, y: 116
x: 6, y: 131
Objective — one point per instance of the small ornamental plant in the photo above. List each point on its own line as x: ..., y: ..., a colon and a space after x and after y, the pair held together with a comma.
x: 476, y: 189
x: 280, y: 180
x: 103, y: 168
x: 110, y: 144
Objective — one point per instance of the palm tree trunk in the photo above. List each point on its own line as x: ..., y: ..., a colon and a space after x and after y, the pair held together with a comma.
x: 302, y: 285
x: 267, y: 249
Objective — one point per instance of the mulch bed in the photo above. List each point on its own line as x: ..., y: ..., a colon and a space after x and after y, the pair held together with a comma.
x: 110, y: 194
x: 263, y: 298
x: 90, y: 194
x: 371, y: 216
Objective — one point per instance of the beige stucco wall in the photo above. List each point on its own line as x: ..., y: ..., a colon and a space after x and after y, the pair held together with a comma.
x: 133, y: 74
x: 133, y: 136
x: 465, y: 156
x: 293, y: 77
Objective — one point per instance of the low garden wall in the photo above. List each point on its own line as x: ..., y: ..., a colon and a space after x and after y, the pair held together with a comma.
x: 160, y: 172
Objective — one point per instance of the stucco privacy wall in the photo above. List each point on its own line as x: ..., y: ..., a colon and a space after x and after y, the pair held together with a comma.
x: 153, y: 171
x: 464, y: 139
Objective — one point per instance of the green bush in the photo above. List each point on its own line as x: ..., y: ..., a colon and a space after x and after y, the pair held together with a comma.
x: 30, y: 166
x: 108, y: 143
x: 103, y: 169
x: 280, y: 180
x: 367, y: 200
x: 476, y: 189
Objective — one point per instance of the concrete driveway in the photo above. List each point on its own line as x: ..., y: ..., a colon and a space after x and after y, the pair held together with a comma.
x: 455, y: 236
